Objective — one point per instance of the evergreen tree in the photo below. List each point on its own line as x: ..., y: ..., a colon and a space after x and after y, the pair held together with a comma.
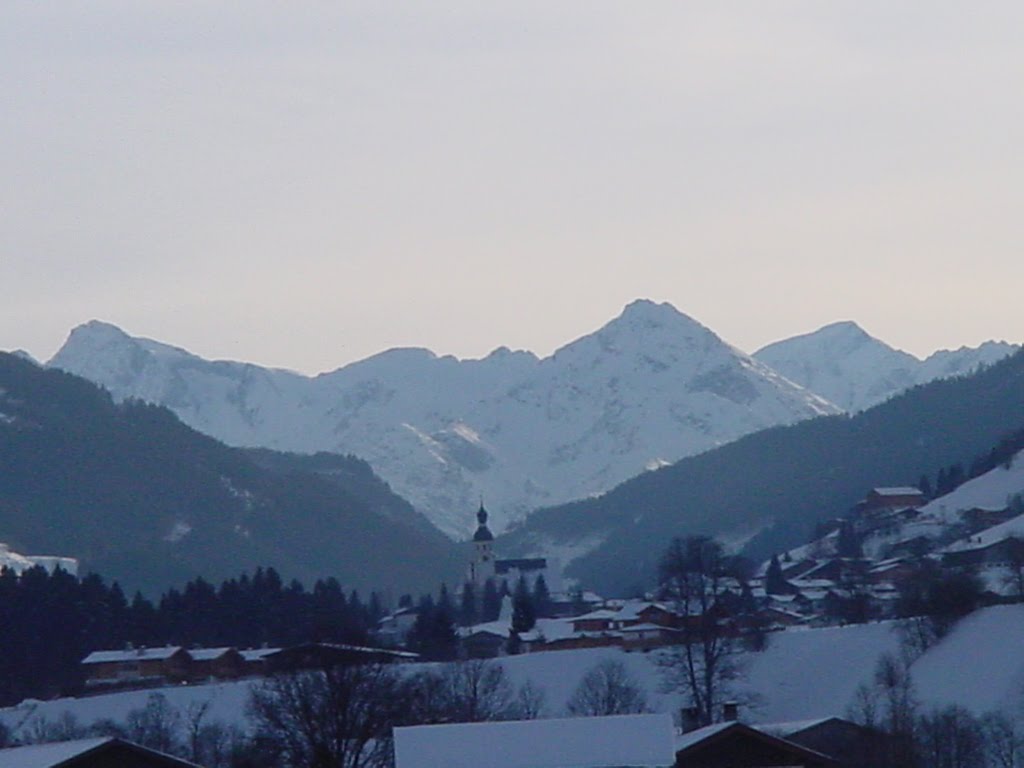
x: 524, y: 615
x: 467, y: 610
x: 490, y: 603
x: 541, y: 597
x: 848, y: 544
x: 925, y: 486
x: 774, y: 581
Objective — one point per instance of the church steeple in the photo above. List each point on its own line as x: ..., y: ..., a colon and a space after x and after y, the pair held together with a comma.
x: 482, y: 566
x: 483, y: 533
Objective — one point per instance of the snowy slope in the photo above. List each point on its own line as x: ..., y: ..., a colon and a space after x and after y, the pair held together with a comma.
x: 845, y: 365
x: 803, y: 674
x: 18, y: 563
x: 652, y: 386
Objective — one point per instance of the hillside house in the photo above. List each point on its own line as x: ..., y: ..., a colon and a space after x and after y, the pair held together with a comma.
x: 137, y: 665
x: 101, y: 752
x: 851, y: 745
x: 892, y: 498
x: 484, y: 643
x: 219, y: 663
x: 735, y: 745
x: 325, y: 655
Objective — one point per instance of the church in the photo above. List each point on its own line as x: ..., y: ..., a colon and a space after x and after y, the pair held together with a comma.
x: 484, y: 565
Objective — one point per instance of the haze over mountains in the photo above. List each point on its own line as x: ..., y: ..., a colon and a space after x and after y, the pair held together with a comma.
x: 649, y: 388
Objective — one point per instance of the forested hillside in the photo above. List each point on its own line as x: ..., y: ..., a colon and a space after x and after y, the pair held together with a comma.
x: 135, y: 494
x: 768, y: 490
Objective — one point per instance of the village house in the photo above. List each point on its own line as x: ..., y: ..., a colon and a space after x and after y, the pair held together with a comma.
x: 137, y: 665
x: 218, y: 663
x: 732, y: 744
x: 100, y: 752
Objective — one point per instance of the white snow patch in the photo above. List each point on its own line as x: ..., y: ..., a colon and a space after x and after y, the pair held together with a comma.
x: 178, y: 532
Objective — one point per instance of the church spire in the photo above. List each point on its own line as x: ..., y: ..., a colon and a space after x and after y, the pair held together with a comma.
x: 483, y: 533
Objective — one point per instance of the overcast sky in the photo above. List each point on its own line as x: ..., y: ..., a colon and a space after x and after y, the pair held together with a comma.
x: 305, y: 184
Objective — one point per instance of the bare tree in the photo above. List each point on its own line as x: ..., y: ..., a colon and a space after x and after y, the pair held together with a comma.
x: 1004, y: 740
x: 695, y: 576
x: 339, y: 717
x: 607, y: 689
x: 469, y: 691
x: 530, y: 701
x: 951, y: 738
x: 156, y: 725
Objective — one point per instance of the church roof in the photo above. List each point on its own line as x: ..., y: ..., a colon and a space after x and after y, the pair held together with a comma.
x: 483, y: 533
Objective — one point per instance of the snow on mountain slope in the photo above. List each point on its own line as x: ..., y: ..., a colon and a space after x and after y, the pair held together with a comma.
x: 842, y: 363
x: 651, y: 386
x: 18, y: 563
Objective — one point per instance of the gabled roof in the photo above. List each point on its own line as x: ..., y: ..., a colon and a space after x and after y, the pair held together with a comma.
x: 208, y: 654
x: 132, y: 654
x: 257, y: 654
x: 905, y: 490
x: 690, y: 745
x: 70, y: 752
x: 643, y: 741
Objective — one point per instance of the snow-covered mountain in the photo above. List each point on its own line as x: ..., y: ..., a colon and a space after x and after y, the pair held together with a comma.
x: 18, y: 562
x: 845, y: 365
x: 650, y: 387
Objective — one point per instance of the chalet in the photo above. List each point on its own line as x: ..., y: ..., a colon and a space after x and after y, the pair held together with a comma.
x: 484, y: 644
x: 392, y: 630
x: 643, y: 637
x: 892, y: 498
x: 255, y: 660
x: 734, y: 745
x: 103, y: 752
x: 640, y: 741
x: 325, y: 655
x: 849, y: 744
x: 986, y: 552
x: 137, y: 665
x: 601, y: 620
x: 585, y: 640
x: 220, y: 663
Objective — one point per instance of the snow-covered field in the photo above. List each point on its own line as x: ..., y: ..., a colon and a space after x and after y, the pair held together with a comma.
x: 803, y: 674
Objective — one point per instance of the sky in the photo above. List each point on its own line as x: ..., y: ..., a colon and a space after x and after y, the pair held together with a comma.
x: 305, y: 184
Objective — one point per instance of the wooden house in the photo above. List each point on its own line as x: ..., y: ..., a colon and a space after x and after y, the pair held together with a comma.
x: 735, y: 745
x: 136, y: 665
x: 219, y: 663
x: 102, y: 752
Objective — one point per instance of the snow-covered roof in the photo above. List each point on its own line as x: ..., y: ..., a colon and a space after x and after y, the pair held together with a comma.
x: 207, y: 654
x: 46, y: 755
x: 794, y: 726
x: 600, y: 614
x: 688, y: 739
x: 905, y: 490
x: 632, y: 610
x: 132, y: 654
x: 647, y: 628
x: 1014, y: 527
x: 257, y: 654
x: 583, y: 742
x: 60, y: 753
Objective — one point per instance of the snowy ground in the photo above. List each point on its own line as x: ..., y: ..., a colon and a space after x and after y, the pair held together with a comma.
x: 803, y: 674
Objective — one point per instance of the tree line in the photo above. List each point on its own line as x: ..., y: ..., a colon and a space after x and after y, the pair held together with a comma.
x: 49, y: 621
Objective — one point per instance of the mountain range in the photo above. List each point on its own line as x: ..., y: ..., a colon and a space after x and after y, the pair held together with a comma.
x: 521, y: 432
x: 846, y: 366
x: 649, y: 388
